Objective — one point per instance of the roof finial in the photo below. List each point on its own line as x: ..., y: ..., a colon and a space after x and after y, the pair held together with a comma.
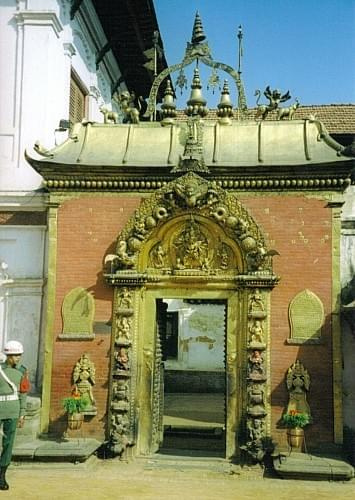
x: 225, y: 107
x: 240, y: 53
x: 196, y: 105
x: 197, y: 33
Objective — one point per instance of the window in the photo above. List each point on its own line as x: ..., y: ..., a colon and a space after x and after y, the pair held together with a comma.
x: 78, y: 100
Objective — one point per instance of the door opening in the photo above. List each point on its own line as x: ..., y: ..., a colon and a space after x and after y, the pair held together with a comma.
x: 192, y: 337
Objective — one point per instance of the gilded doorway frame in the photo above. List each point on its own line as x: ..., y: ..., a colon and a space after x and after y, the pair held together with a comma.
x: 190, y: 239
x: 233, y: 345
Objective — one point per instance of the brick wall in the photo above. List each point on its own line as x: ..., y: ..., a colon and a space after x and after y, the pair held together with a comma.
x: 299, y: 228
x: 87, y: 231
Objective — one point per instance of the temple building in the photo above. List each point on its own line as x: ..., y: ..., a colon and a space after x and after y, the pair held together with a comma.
x: 194, y: 280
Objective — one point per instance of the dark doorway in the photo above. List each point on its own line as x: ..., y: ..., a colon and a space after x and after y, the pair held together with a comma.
x: 192, y: 335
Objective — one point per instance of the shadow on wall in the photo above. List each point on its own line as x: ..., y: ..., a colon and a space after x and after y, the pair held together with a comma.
x: 317, y: 360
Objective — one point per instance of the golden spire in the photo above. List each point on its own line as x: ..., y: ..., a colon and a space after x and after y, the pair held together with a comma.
x: 198, y: 35
x: 196, y: 105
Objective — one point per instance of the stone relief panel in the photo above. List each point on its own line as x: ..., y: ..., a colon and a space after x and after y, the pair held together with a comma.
x: 78, y: 311
x: 306, y: 315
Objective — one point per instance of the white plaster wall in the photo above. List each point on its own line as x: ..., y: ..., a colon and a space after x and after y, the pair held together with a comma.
x: 22, y: 248
x: 20, y: 312
x: 38, y: 46
x: 348, y: 321
x: 201, y: 336
x: 21, y: 289
x: 348, y: 210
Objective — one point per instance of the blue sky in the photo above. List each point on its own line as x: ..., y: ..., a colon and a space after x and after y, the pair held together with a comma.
x: 304, y: 46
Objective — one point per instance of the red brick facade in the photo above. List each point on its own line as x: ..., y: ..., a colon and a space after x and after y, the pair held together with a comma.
x: 297, y: 226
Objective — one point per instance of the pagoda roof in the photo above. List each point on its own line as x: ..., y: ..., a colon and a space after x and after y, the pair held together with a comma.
x: 267, y: 154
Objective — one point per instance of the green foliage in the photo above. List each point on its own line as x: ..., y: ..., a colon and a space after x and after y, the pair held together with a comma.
x: 74, y: 404
x: 295, y: 418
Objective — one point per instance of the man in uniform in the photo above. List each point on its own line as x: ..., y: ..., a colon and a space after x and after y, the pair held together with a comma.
x: 13, y: 388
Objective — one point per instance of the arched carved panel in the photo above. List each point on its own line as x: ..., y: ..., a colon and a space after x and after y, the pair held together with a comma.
x: 78, y: 311
x: 306, y: 315
x: 201, y: 201
x: 191, y: 242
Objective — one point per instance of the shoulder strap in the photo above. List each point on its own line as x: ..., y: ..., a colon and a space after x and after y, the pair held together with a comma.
x: 22, y: 369
x: 11, y: 384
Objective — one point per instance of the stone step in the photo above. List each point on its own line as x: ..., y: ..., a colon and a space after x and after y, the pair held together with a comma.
x: 63, y: 450
x: 307, y: 466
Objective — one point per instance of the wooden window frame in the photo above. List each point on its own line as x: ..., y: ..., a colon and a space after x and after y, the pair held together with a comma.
x: 75, y: 114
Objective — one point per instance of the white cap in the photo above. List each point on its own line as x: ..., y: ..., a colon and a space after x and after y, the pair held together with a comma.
x: 13, y: 347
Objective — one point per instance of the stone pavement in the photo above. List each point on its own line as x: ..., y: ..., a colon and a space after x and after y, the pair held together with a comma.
x: 165, y: 479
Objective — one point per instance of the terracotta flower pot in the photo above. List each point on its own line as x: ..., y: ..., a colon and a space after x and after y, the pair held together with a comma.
x: 75, y: 420
x: 295, y: 437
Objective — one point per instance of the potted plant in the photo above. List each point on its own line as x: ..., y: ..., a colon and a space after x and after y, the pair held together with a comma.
x: 74, y: 406
x: 295, y: 421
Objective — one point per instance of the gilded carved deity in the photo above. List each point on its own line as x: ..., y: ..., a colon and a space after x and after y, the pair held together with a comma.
x: 125, y: 299
x: 120, y: 390
x: 256, y: 400
x: 158, y: 256
x: 255, y: 428
x: 298, y: 382
x: 275, y: 97
x: 123, y: 328
x: 256, y: 303
x: 256, y: 370
x: 122, y: 359
x: 256, y: 333
x: 191, y: 247
x: 84, y: 380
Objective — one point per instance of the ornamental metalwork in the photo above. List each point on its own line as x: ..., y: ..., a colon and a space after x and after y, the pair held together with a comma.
x: 275, y: 97
x: 199, y: 51
x: 257, y: 375
x: 121, y: 411
x: 196, y: 196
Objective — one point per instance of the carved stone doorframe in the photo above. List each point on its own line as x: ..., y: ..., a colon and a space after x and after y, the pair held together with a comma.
x: 190, y: 239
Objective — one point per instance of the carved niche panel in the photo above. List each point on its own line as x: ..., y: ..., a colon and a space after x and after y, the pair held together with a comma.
x: 192, y: 244
x: 306, y: 314
x: 78, y: 311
